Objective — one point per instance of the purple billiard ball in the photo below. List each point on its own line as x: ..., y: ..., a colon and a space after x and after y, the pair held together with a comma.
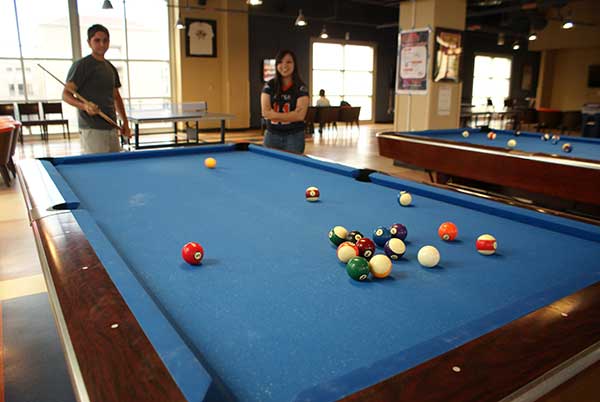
x: 398, y: 231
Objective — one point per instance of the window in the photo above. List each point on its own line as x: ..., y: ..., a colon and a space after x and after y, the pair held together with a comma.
x: 491, y: 80
x: 345, y: 72
x: 139, y: 47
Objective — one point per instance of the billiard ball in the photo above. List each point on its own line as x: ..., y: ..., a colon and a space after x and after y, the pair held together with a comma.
x: 491, y: 135
x: 394, y: 248
x: 555, y: 139
x: 545, y: 137
x: 346, y: 250
x: 210, y: 163
x: 511, y: 143
x: 517, y: 133
x: 192, y: 253
x: 354, y: 236
x: 380, y: 265
x: 358, y: 268
x: 465, y: 134
x: 312, y: 194
x: 567, y: 147
x: 366, y: 247
x: 381, y: 234
x: 338, y: 235
x: 398, y: 231
x: 448, y: 231
x: 486, y: 244
x: 404, y: 198
x: 428, y: 256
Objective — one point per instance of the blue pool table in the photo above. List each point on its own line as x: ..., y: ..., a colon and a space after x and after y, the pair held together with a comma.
x: 533, y: 165
x: 271, y: 314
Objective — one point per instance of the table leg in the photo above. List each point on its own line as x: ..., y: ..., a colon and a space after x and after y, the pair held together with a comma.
x: 137, y: 135
x: 222, y: 131
x: 175, y: 131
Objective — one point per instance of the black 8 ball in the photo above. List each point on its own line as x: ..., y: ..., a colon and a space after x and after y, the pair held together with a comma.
x: 354, y: 236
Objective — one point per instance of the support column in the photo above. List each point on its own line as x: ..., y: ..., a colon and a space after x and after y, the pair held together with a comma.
x: 420, y: 112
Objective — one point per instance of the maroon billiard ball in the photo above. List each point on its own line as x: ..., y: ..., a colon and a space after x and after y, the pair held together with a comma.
x: 366, y: 247
x: 192, y: 253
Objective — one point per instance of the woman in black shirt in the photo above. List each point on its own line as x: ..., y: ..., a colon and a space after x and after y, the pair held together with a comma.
x: 284, y: 102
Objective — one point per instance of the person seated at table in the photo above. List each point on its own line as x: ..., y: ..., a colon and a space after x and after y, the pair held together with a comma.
x: 343, y: 103
x: 284, y: 103
x: 322, y: 101
x: 97, y: 80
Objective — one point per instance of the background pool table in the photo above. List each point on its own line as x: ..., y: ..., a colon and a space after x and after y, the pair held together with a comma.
x: 533, y: 165
x: 271, y: 315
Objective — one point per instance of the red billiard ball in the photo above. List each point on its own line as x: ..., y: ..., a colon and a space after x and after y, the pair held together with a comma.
x: 491, y: 135
x: 486, y: 244
x: 366, y: 247
x: 448, y: 231
x: 192, y: 253
x: 312, y: 194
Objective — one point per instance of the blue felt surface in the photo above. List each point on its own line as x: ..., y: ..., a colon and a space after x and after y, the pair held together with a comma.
x: 272, y: 311
x: 34, y: 363
x: 585, y: 148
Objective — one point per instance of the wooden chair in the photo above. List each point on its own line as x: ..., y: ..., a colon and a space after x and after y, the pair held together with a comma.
x: 55, y: 108
x: 29, y: 114
x: 329, y: 116
x: 7, y: 133
x: 13, y: 147
x: 310, y: 119
x: 349, y: 115
x: 8, y: 109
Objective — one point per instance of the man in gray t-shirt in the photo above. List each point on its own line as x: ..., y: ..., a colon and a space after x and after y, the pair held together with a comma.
x: 97, y: 80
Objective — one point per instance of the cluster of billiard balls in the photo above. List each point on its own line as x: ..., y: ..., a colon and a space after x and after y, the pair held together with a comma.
x: 555, y: 139
x: 359, y: 252
x: 567, y: 147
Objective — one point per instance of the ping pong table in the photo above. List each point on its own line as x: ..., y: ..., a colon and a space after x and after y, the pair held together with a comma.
x: 175, y: 113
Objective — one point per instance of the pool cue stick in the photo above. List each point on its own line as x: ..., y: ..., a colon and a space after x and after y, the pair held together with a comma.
x: 81, y: 98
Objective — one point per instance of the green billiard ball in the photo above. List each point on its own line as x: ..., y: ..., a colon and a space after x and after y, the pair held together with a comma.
x: 358, y: 268
x: 338, y: 235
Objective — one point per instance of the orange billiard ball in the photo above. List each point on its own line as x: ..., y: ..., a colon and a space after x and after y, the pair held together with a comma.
x: 210, y: 163
x: 448, y: 231
x: 192, y: 253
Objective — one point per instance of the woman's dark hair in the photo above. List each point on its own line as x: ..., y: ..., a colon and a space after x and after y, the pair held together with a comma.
x: 295, y: 75
x: 322, y: 92
x: 96, y: 28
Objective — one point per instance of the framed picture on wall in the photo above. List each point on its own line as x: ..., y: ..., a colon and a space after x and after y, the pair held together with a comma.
x: 200, y: 38
x: 448, y: 49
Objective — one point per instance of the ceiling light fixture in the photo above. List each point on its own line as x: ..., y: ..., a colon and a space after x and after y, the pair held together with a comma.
x: 179, y: 25
x: 324, y: 33
x: 107, y: 5
x: 516, y: 45
x: 300, y: 21
x: 532, y: 36
x: 568, y: 24
x: 254, y: 2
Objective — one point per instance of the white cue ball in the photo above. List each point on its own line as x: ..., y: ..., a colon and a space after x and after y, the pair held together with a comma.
x: 428, y: 256
x: 465, y: 134
x: 404, y: 198
x: 511, y: 143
